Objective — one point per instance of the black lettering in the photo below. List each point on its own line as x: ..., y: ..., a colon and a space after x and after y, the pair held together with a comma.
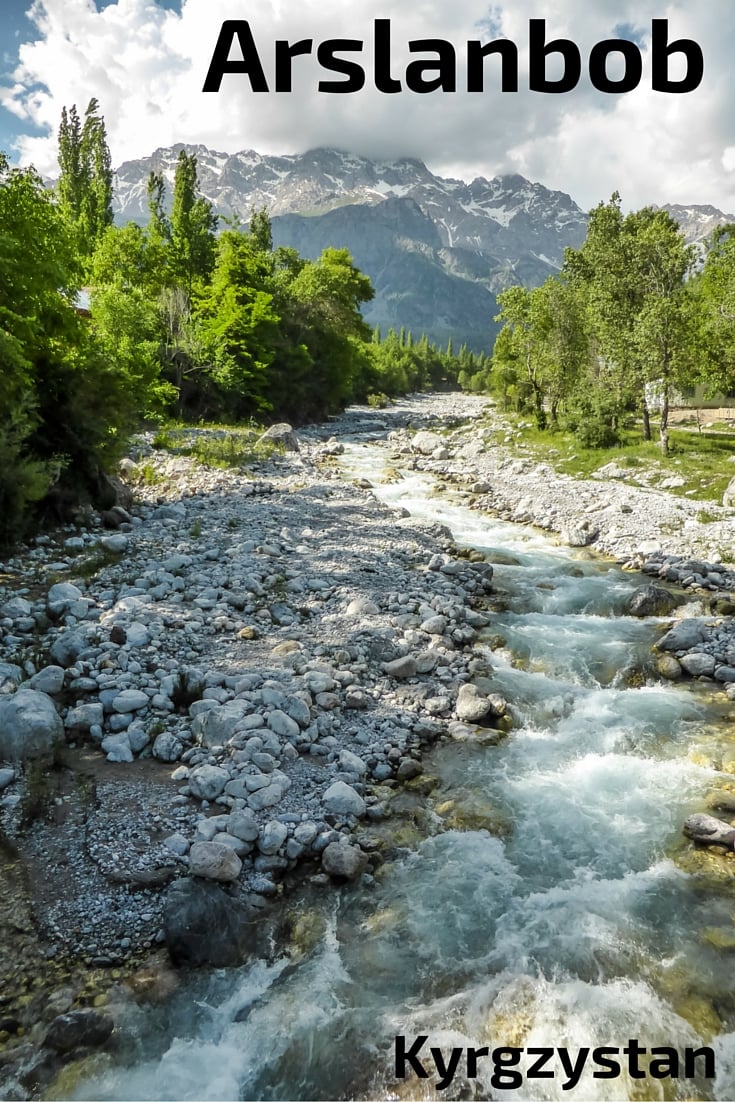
x: 501, y: 1076
x: 476, y: 53
x: 662, y: 1069
x: 384, y: 82
x: 544, y: 1055
x: 284, y: 53
x: 446, y: 1071
x: 355, y: 74
x: 472, y: 1055
x: 410, y: 1057
x: 599, y: 1055
x: 249, y: 63
x: 690, y: 1066
x: 633, y: 1051
x: 572, y: 1071
x: 446, y: 65
x: 633, y: 65
x: 539, y: 50
x: 661, y: 50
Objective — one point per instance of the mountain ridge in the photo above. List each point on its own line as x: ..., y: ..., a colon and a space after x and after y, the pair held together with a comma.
x: 437, y: 249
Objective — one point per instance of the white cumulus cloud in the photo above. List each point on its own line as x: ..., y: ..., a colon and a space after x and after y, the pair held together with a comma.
x: 146, y: 66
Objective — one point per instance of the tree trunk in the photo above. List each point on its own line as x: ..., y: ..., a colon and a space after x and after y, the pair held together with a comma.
x: 664, y: 426
x: 646, y: 421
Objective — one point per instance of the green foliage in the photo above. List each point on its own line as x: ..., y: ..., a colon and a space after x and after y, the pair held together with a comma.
x: 85, y: 182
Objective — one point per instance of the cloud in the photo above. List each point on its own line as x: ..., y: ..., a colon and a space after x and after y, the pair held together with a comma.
x: 146, y: 66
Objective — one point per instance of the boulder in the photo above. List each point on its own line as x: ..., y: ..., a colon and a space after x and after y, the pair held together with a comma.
x: 473, y: 706
x: 282, y: 434
x: 207, y: 782
x: 342, y: 799
x: 425, y: 443
x: 87, y: 1027
x: 651, y: 600
x: 30, y: 726
x: 728, y: 498
x: 709, y: 831
x: 344, y: 862
x: 203, y: 925
x: 401, y: 668
x: 698, y: 664
x: 214, y: 861
x: 684, y: 635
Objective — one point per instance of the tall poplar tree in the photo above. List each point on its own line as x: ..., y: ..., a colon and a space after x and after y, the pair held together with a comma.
x: 85, y: 182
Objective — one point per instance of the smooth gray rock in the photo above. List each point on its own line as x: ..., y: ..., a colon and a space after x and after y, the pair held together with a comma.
x: 684, y: 635
x: 283, y: 725
x: 207, y: 782
x: 65, y: 650
x: 84, y: 716
x: 167, y: 747
x: 709, y: 831
x: 282, y: 434
x: 130, y: 700
x: 30, y: 726
x: 117, y: 748
x: 698, y: 664
x: 342, y: 799
x: 214, y: 861
x: 243, y: 826
x: 401, y: 668
x: 272, y: 836
x: 472, y: 705
x: 10, y: 677
x: 215, y: 726
x: 344, y: 862
x: 48, y: 680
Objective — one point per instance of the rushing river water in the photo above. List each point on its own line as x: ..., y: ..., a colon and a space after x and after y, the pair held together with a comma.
x: 571, y: 926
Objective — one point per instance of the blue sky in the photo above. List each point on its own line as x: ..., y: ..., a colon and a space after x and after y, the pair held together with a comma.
x: 145, y: 61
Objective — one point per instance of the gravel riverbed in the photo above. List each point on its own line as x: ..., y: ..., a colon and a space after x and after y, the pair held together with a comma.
x: 233, y: 683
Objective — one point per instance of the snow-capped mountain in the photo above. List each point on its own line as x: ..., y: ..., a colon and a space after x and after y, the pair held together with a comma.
x: 437, y: 250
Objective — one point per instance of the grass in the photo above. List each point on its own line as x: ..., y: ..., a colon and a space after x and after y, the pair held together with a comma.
x: 216, y: 445
x: 701, y: 460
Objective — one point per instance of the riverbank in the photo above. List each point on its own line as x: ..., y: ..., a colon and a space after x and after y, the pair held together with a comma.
x: 240, y: 679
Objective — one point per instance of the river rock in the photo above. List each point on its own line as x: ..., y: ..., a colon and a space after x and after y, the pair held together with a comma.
x: 207, y: 782
x: 683, y: 636
x: 342, y: 799
x: 579, y: 535
x: 61, y: 596
x: 65, y: 650
x: 167, y: 747
x: 668, y: 667
x: 282, y: 434
x: 243, y: 826
x: 472, y: 705
x: 214, y: 861
x: 203, y: 925
x: 698, y: 664
x: 216, y: 726
x: 130, y: 700
x: 651, y: 600
x: 30, y: 726
x: 344, y: 862
x: 272, y: 837
x: 709, y: 831
x: 425, y: 443
x: 87, y: 1027
x: 48, y: 680
x: 401, y: 668
x: 728, y: 498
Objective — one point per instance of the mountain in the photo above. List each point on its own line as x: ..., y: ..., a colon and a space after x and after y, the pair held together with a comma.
x: 697, y: 222
x: 437, y: 250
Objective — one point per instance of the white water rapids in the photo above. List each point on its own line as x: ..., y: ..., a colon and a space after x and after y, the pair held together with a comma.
x: 573, y: 927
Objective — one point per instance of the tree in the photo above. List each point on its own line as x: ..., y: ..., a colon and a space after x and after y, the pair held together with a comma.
x: 85, y: 182
x: 193, y: 225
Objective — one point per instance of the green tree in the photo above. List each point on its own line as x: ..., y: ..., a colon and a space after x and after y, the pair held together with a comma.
x: 85, y: 182
x: 193, y: 225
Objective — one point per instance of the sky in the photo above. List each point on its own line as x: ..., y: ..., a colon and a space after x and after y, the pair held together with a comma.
x: 146, y: 61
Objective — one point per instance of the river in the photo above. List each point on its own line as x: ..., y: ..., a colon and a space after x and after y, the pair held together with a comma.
x: 571, y: 923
